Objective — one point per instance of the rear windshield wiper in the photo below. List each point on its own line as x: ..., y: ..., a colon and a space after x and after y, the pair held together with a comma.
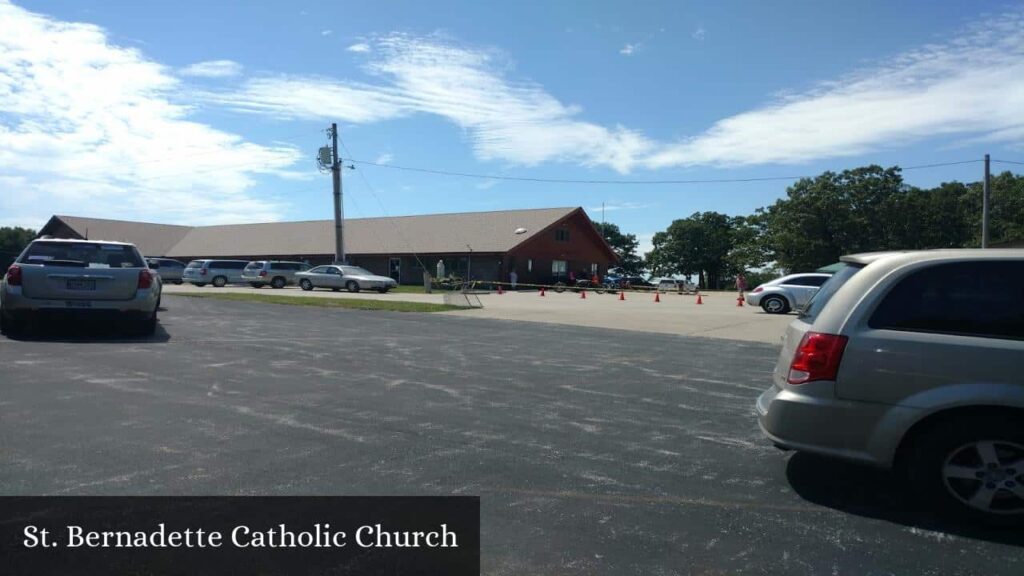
x: 78, y: 263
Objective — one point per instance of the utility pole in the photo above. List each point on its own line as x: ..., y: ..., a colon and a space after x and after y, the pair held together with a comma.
x: 985, y: 198
x: 339, y: 232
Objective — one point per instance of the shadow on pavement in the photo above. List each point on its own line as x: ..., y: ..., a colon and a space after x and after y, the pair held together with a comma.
x: 875, y: 493
x: 89, y: 332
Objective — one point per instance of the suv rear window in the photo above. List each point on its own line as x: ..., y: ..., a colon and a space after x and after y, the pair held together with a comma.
x: 828, y: 290
x: 85, y: 254
x: 965, y: 298
x: 228, y: 264
x: 285, y: 266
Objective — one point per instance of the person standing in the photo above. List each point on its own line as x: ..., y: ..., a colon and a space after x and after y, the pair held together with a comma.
x: 513, y: 278
x: 741, y: 284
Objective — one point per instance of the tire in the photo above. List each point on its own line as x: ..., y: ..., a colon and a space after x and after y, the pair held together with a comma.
x: 255, y: 284
x: 970, y: 469
x: 305, y: 284
x: 219, y: 282
x: 278, y: 282
x: 177, y: 282
x: 352, y: 286
x: 559, y: 287
x: 775, y: 305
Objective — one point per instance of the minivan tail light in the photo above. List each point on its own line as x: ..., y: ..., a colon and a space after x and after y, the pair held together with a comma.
x: 202, y: 271
x: 14, y: 275
x: 263, y: 273
x: 816, y: 358
x: 145, y: 279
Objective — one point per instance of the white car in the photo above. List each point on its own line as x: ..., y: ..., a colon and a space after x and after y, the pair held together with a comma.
x: 79, y: 278
x: 675, y: 285
x: 787, y: 293
x: 338, y: 276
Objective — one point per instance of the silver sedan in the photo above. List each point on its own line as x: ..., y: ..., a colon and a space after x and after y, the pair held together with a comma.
x: 787, y: 293
x: 351, y: 278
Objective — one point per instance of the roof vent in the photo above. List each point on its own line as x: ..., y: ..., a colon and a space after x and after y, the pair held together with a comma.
x: 520, y: 230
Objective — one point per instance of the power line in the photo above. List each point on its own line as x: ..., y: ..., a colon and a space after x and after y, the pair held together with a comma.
x: 630, y: 182
x: 1008, y: 162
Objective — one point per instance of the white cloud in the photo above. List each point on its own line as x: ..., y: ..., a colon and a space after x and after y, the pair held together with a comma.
x: 361, y: 47
x: 645, y: 243
x: 969, y: 87
x: 326, y: 32
x: 504, y: 119
x: 628, y: 49
x: 699, y: 34
x: 212, y: 69
x: 384, y: 159
x: 92, y: 128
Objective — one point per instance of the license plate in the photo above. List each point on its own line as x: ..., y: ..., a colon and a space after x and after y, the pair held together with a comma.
x: 81, y: 284
x: 78, y: 304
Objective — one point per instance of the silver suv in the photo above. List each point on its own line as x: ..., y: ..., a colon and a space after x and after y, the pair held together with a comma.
x: 278, y: 274
x: 80, y: 278
x: 915, y: 361
x: 216, y: 272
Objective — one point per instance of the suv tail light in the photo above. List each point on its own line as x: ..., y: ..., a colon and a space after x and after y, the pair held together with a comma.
x: 145, y: 279
x: 756, y: 290
x: 14, y: 275
x: 816, y: 358
x: 263, y: 273
x: 202, y: 271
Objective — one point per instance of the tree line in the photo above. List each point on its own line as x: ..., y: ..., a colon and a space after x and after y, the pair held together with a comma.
x: 820, y: 219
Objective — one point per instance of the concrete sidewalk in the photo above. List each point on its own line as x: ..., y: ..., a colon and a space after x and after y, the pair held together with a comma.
x: 718, y: 317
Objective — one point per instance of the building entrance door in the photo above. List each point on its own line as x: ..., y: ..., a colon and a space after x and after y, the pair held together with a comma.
x: 395, y: 269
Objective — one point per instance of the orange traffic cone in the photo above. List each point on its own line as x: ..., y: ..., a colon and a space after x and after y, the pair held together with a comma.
x: 541, y: 290
x: 622, y: 296
x: 739, y: 301
x: 699, y: 300
x: 657, y: 297
x: 583, y: 294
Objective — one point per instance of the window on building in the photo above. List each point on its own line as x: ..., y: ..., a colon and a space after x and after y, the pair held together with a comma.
x: 593, y: 269
x: 967, y: 298
x: 558, y: 267
x: 529, y: 265
x: 562, y: 235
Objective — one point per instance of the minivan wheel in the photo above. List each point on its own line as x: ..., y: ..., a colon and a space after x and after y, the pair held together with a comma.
x: 278, y: 282
x: 352, y: 286
x: 305, y: 285
x: 775, y: 305
x: 973, y: 469
x: 219, y: 281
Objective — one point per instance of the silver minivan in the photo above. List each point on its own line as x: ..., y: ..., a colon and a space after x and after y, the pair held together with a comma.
x: 277, y: 274
x: 913, y: 361
x: 216, y: 272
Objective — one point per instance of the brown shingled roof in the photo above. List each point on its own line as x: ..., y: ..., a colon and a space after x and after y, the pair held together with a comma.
x: 432, y: 233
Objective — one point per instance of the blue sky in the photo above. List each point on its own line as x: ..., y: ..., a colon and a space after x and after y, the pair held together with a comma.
x: 197, y: 112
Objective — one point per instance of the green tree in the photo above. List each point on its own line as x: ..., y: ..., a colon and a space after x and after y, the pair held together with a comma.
x: 625, y: 246
x: 12, y: 242
x: 695, y: 245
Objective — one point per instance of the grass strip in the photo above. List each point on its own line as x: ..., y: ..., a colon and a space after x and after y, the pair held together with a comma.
x: 350, y: 303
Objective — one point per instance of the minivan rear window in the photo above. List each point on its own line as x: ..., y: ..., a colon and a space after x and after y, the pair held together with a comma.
x: 195, y: 264
x: 828, y: 290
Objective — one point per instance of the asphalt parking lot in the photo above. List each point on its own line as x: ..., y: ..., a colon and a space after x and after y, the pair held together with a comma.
x: 594, y: 451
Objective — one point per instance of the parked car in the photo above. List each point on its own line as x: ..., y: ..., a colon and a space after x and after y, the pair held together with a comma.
x: 169, y: 270
x: 81, y: 278
x: 634, y: 282
x: 787, y: 293
x: 913, y: 361
x: 676, y: 285
x: 216, y: 272
x: 276, y: 273
x: 351, y: 278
